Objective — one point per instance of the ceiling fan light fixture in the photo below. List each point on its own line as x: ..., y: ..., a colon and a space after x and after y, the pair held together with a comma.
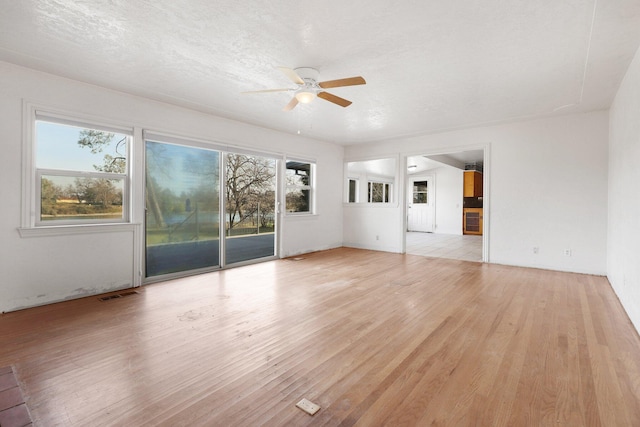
x: 305, y: 96
x: 308, y: 87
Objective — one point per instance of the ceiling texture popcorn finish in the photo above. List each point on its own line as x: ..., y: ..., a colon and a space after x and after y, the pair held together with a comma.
x: 429, y: 65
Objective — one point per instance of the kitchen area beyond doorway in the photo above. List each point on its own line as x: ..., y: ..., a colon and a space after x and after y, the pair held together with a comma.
x: 473, y: 199
x: 456, y: 196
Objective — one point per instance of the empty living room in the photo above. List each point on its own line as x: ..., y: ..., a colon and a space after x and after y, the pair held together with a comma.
x: 208, y: 204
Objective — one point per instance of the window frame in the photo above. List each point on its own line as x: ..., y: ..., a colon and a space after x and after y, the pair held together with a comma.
x: 356, y: 190
x: 39, y: 222
x: 310, y: 187
x: 387, y: 191
x: 375, y: 169
x: 426, y: 192
x: 32, y: 175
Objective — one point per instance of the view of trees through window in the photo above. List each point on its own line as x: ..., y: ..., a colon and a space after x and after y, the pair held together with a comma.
x: 299, y: 182
x: 182, y: 193
x: 250, y: 191
x: 379, y: 192
x: 82, y: 177
x: 182, y: 196
x: 82, y: 173
x: 84, y: 197
x: 182, y: 226
x: 184, y: 223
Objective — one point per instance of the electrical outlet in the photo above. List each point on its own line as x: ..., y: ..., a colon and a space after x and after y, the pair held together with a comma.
x: 567, y: 252
x: 536, y: 249
x: 377, y: 237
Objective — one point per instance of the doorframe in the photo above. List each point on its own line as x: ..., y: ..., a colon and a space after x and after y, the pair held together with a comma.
x: 486, y: 183
x: 431, y: 194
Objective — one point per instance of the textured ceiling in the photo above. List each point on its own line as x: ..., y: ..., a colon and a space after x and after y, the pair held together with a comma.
x: 429, y: 65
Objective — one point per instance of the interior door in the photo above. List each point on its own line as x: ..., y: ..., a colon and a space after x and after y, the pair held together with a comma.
x: 420, y: 207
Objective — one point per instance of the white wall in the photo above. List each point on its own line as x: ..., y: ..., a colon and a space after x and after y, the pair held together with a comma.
x: 39, y: 270
x: 375, y: 226
x: 547, y: 188
x: 623, y: 251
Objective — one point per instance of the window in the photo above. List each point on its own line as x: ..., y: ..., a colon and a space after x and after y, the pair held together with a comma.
x: 370, y: 181
x: 299, y: 187
x: 80, y: 172
x: 379, y: 192
x: 353, y: 190
x: 420, y: 192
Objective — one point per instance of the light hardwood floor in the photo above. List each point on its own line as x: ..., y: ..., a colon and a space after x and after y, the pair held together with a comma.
x: 374, y: 338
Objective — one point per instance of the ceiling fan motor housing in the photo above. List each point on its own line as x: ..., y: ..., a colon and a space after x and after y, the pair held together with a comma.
x: 309, y: 75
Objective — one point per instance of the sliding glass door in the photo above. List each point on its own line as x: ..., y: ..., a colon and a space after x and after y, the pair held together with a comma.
x: 182, y: 208
x: 250, y: 203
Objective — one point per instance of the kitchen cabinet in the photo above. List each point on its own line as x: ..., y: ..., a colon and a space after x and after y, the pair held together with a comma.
x: 472, y: 184
x: 472, y: 221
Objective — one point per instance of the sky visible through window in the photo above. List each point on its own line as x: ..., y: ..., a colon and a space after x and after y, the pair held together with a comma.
x: 57, y: 148
x: 182, y: 169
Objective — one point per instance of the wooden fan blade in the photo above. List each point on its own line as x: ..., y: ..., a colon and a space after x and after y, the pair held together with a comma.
x: 292, y: 75
x: 291, y: 105
x: 335, y: 99
x: 266, y: 91
x: 351, y: 81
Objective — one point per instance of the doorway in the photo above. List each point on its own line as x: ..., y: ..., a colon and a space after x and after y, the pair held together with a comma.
x: 442, y: 234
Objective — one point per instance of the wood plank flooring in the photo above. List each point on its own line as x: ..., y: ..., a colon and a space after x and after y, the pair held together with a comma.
x: 374, y: 338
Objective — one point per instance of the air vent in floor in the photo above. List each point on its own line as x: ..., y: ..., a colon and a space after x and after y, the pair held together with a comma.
x: 120, y: 295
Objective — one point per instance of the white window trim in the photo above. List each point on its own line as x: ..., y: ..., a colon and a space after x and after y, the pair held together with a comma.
x: 30, y: 225
x: 207, y: 144
x: 357, y: 189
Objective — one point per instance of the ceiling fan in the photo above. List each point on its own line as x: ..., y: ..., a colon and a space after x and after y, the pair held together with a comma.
x: 309, y: 87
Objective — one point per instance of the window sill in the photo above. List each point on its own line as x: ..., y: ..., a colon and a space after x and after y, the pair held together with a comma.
x: 66, y: 230
x: 300, y: 215
x: 361, y: 205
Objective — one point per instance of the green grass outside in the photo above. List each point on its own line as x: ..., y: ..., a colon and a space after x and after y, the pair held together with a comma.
x: 162, y: 236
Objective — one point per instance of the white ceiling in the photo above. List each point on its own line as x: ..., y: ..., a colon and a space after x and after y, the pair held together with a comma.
x: 429, y: 65
x: 456, y: 160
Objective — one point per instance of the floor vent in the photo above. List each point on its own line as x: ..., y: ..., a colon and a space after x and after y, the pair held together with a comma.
x: 308, y: 406
x: 120, y: 295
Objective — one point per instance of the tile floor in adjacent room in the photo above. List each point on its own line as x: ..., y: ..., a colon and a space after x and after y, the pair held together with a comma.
x: 452, y: 246
x: 13, y: 411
